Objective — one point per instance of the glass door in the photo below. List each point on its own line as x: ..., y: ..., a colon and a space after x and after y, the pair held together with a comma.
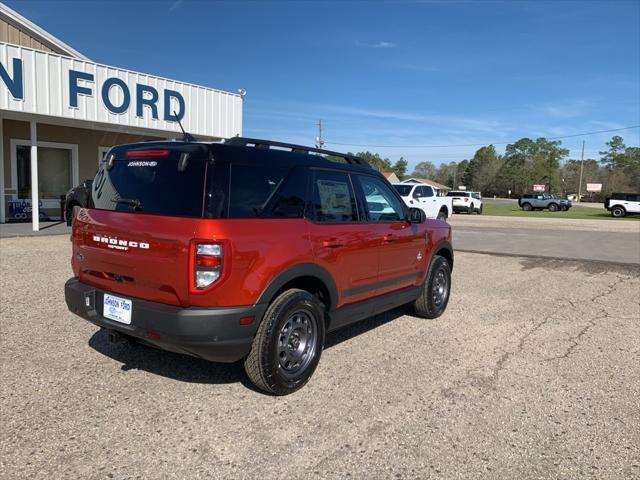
x: 55, y: 178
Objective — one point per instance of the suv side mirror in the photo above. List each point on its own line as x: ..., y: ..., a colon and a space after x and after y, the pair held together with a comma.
x: 417, y: 194
x: 417, y: 215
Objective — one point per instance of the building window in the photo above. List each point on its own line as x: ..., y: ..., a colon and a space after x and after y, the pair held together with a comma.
x: 54, y: 171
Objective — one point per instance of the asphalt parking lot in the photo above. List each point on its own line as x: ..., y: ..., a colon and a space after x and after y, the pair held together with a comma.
x: 533, y: 372
x: 578, y: 239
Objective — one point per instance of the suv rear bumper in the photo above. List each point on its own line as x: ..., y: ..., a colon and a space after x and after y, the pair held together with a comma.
x: 460, y: 208
x: 213, y: 334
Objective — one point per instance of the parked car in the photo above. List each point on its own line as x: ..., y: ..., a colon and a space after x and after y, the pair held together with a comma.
x: 621, y: 204
x: 243, y: 251
x: 541, y: 201
x: 464, y: 201
x: 425, y: 198
x: 76, y: 198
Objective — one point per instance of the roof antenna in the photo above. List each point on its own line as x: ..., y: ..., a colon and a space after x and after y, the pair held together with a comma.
x: 187, y: 136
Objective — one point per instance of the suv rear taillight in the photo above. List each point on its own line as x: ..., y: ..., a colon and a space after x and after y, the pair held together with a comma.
x: 206, y: 261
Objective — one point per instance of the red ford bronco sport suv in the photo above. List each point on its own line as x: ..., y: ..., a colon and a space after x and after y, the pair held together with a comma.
x: 249, y: 250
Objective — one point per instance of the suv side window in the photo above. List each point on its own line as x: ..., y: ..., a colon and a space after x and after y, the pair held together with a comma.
x: 380, y: 204
x: 251, y: 188
x: 289, y: 201
x: 332, y: 197
x: 427, y: 192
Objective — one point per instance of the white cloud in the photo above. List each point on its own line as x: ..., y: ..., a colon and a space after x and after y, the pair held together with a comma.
x: 175, y: 5
x: 376, y: 45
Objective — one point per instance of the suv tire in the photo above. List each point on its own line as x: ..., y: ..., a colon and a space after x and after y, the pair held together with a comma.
x: 480, y: 210
x: 618, y: 211
x: 71, y: 213
x: 553, y: 207
x: 288, y: 344
x: 470, y: 211
x: 436, y: 287
x: 526, y: 207
x: 442, y: 215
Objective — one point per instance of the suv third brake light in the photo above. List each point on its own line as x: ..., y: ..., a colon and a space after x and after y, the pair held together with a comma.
x: 147, y: 153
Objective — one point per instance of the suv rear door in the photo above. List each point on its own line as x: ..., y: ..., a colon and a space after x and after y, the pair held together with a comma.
x: 340, y: 241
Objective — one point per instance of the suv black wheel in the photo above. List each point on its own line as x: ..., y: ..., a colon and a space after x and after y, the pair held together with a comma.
x: 553, y: 207
x: 480, y: 210
x: 434, y: 296
x: 287, y: 347
x: 526, y: 207
x: 470, y: 211
x: 442, y: 215
x: 618, y: 212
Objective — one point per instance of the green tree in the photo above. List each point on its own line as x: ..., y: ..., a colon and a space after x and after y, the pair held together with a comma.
x: 632, y: 167
x: 461, y: 176
x: 446, y: 174
x: 424, y: 170
x: 614, y: 156
x: 483, y: 168
x: 376, y: 161
x: 531, y: 161
x: 400, y: 168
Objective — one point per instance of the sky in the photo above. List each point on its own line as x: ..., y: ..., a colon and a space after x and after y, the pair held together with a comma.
x: 421, y: 80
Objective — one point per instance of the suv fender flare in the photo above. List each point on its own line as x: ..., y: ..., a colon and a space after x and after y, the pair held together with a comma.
x: 439, y: 247
x: 298, y: 271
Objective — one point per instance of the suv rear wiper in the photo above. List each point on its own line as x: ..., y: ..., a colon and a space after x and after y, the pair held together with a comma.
x: 132, y: 202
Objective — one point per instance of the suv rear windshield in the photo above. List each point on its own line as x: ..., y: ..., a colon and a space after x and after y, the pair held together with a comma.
x: 458, y: 194
x: 403, y: 190
x: 148, y: 179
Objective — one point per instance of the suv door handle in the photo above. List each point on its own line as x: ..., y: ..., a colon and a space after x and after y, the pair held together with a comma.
x: 332, y: 243
x: 388, y: 238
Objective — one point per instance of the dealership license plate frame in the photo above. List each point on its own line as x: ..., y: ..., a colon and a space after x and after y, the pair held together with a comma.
x: 117, y: 309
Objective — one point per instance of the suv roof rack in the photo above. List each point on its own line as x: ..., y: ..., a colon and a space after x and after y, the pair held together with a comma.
x: 266, y: 144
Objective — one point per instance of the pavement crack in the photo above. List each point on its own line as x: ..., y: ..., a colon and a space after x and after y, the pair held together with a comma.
x: 506, y: 356
x: 575, y: 339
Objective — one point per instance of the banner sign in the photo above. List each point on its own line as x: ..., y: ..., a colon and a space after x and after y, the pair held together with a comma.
x: 539, y: 188
x: 594, y: 187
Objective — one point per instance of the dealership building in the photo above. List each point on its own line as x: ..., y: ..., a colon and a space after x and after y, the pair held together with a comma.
x: 60, y: 112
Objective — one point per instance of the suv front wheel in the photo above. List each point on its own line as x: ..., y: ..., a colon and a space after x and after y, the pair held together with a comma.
x: 434, y: 295
x: 287, y: 347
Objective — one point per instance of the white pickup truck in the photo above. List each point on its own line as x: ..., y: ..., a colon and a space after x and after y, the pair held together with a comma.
x: 424, y: 197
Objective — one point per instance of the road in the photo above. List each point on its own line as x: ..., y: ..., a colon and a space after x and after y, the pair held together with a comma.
x: 514, y: 201
x: 602, y: 240
x: 533, y: 372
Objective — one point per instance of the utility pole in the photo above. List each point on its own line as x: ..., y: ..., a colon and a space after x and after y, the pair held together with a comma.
x: 319, y: 139
x: 581, y: 167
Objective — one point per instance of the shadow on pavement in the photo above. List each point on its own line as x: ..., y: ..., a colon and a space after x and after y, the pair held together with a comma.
x: 184, y: 368
x: 134, y: 356
x: 585, y: 266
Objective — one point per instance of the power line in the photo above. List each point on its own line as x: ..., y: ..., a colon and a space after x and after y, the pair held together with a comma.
x: 583, y: 134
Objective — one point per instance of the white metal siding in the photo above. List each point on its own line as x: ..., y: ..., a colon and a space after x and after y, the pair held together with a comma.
x: 208, y: 112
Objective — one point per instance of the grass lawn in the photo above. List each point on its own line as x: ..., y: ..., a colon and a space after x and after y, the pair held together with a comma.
x: 506, y: 210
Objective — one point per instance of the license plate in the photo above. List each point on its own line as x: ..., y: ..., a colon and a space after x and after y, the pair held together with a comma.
x: 116, y: 308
